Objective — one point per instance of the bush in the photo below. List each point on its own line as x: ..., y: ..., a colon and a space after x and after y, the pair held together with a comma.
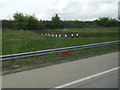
x: 107, y: 22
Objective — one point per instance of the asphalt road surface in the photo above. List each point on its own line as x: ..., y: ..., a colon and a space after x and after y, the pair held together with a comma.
x: 95, y: 72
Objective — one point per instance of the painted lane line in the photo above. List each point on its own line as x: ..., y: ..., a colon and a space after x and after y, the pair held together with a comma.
x: 86, y: 78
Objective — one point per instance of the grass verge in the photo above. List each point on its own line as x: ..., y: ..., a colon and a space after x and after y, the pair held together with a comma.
x: 51, y: 59
x: 26, y: 41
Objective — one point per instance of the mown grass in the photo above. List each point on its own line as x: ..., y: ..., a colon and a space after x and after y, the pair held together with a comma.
x: 26, y: 41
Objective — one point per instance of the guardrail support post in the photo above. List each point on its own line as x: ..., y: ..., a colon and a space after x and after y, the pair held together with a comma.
x: 13, y: 64
x: 110, y: 46
x: 37, y: 59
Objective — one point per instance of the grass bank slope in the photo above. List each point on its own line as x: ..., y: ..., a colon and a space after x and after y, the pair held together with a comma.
x: 25, y: 41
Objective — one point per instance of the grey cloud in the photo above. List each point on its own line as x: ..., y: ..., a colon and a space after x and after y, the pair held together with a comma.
x: 92, y: 10
x: 2, y: 5
x: 73, y: 9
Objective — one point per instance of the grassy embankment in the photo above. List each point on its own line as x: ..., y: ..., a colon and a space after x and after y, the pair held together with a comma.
x: 25, y: 41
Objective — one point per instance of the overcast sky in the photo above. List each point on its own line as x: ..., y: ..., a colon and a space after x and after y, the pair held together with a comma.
x: 67, y: 9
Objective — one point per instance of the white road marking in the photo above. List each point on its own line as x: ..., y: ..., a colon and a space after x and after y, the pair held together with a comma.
x: 86, y: 78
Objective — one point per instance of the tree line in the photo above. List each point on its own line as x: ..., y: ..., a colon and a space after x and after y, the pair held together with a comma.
x: 30, y: 22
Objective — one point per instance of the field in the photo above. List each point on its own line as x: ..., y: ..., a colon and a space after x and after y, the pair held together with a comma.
x: 25, y: 41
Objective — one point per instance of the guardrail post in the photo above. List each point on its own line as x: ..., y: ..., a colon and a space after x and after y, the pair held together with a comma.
x: 37, y: 59
x: 73, y: 52
x: 13, y: 64
x: 110, y: 45
x: 87, y: 50
x: 58, y: 55
x: 91, y: 51
x: 101, y: 49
